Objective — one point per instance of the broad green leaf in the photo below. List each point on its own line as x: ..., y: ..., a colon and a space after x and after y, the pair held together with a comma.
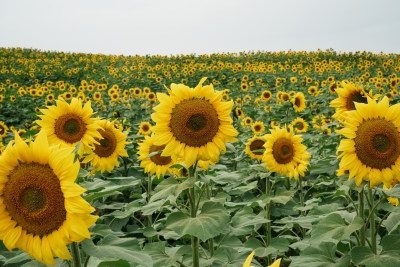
x: 161, y: 255
x: 112, y: 247
x: 209, y: 223
x: 334, y: 229
x: 392, y: 222
x: 281, y: 197
x: 119, y: 263
x: 278, y: 246
x: 364, y: 255
x: 23, y: 256
x: 321, y: 256
x: 245, y: 221
x: 170, y: 189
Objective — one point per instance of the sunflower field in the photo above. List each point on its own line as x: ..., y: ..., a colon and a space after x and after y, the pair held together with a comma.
x: 239, y: 159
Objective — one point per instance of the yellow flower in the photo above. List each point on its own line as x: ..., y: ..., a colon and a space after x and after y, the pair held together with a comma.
x: 157, y: 164
x: 193, y: 123
x: 299, y: 102
x: 69, y: 124
x: 253, y: 144
x: 109, y: 147
x: 371, y: 151
x: 258, y: 127
x: 144, y: 128
x: 285, y: 154
x: 40, y: 205
x: 300, y: 125
x: 3, y: 130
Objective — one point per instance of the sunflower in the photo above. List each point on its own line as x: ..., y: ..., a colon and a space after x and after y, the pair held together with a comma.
x: 40, y: 205
x: 372, y: 150
x: 144, y: 128
x: 266, y: 95
x: 3, y: 130
x: 284, y: 153
x: 258, y: 127
x: 347, y: 96
x: 193, y: 123
x: 157, y: 164
x: 332, y: 88
x: 299, y: 102
x: 109, y: 147
x: 69, y: 124
x: 253, y: 144
x: 300, y: 125
x: 239, y: 112
x: 247, y: 121
x: 392, y: 200
x: 312, y: 90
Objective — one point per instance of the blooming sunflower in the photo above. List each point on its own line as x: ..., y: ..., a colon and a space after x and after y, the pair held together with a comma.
x: 258, y: 127
x: 347, y: 97
x: 109, y: 147
x: 372, y: 150
x: 266, y: 95
x: 284, y: 153
x: 157, y: 164
x: 69, y: 124
x: 3, y: 130
x: 239, y: 112
x: 40, y: 205
x: 144, y: 128
x: 194, y: 123
x: 300, y: 125
x: 253, y: 144
x: 299, y: 102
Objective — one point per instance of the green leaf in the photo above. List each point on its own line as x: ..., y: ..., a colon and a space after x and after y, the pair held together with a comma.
x: 278, y: 246
x: 392, y: 222
x: 119, y: 263
x: 161, y: 255
x: 333, y: 228
x: 321, y: 256
x: 170, y: 189
x: 209, y: 223
x: 23, y: 256
x: 281, y: 197
x: 245, y: 221
x: 112, y: 247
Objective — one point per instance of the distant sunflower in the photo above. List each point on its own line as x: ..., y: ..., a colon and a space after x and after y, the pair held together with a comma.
x: 144, y: 128
x: 312, y: 90
x: 285, y: 154
x: 3, y: 130
x: 347, y: 96
x: 299, y: 102
x: 258, y: 127
x: 253, y: 144
x: 40, y: 205
x: 247, y: 121
x: 266, y: 95
x: 69, y: 124
x: 372, y: 150
x: 194, y: 123
x: 300, y: 125
x: 239, y: 112
x: 109, y: 148
x: 157, y: 164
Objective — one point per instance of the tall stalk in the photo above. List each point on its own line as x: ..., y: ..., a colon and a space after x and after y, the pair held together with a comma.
x: 303, y: 213
x: 193, y: 212
x: 76, y: 257
x: 268, y: 216
x: 372, y: 221
x: 361, y: 214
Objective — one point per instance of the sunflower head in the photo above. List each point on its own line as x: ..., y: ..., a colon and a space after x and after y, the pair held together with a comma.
x: 284, y: 153
x: 108, y: 148
x: 193, y: 123
x: 299, y: 102
x: 371, y: 151
x: 40, y: 204
x: 253, y: 147
x: 68, y: 124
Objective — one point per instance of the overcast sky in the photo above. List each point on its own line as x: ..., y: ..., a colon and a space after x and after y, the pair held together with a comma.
x: 209, y: 26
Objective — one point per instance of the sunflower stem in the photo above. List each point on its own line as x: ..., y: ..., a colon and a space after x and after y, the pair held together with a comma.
x: 193, y: 212
x: 211, y: 240
x: 372, y: 221
x: 150, y: 219
x: 303, y: 213
x: 76, y: 257
x: 268, y: 216
x: 361, y: 214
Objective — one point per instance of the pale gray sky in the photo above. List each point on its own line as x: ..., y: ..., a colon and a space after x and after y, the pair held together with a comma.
x: 209, y: 26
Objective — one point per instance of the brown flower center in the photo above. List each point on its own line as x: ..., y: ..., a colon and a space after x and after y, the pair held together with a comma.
x: 34, y: 199
x: 158, y: 159
x: 107, y: 145
x: 283, y: 150
x: 377, y: 143
x: 70, y: 128
x: 257, y: 145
